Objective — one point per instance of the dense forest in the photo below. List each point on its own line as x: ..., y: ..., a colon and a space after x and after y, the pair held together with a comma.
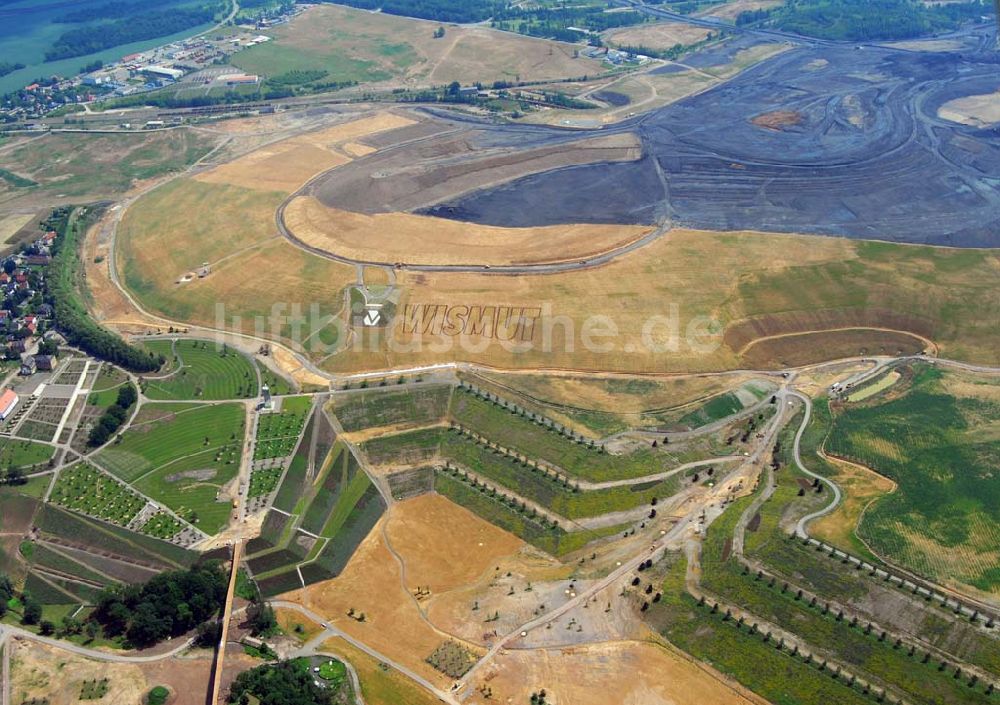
x: 114, y: 10
x: 865, y: 20
x: 284, y: 683
x: 149, y: 25
x: 71, y: 315
x: 7, y: 67
x: 169, y: 605
x: 460, y: 11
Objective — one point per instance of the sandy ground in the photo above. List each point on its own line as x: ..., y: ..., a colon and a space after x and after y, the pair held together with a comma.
x: 661, y: 35
x: 445, y: 546
x: 42, y: 672
x: 286, y: 165
x: 418, y: 239
x: 976, y: 110
x: 635, y: 673
x: 394, y: 625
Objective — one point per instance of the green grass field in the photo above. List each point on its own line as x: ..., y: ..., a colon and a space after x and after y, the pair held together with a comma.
x: 944, y: 519
x: 201, y: 370
x: 88, y: 490
x: 22, y: 454
x: 183, y: 459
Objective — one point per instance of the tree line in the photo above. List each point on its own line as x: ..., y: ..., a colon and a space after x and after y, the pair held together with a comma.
x: 150, y: 25
x: 459, y: 11
x: 113, y: 417
x: 71, y: 315
x: 866, y: 20
x: 169, y: 605
x: 283, y: 683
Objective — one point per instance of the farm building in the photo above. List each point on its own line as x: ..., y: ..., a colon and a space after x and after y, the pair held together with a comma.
x: 8, y: 401
x: 45, y: 362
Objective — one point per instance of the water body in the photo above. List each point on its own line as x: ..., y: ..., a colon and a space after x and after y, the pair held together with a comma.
x: 857, y: 150
x: 28, y: 30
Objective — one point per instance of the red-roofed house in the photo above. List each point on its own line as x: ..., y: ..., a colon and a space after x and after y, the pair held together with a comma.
x: 8, y: 400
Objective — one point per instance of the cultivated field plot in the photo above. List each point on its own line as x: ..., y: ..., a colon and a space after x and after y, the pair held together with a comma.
x: 202, y: 370
x: 184, y: 456
x: 406, y: 407
x: 330, y: 518
x: 278, y: 431
x: 87, y: 490
x: 352, y: 45
x: 122, y: 555
x: 936, y: 441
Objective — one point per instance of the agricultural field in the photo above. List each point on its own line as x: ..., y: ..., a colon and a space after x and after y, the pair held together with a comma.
x: 183, y: 457
x: 202, y: 370
x: 935, y: 441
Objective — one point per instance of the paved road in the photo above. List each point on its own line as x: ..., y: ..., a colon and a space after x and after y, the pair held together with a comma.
x: 112, y: 657
x: 227, y: 611
x: 331, y: 631
x: 800, y: 528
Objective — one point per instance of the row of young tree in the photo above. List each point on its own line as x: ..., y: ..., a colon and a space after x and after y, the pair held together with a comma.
x: 113, y: 417
x: 71, y: 315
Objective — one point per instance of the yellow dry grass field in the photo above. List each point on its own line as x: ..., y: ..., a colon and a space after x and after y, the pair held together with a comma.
x: 430, y: 532
x: 391, y: 50
x: 660, y: 35
x: 56, y: 677
x: 691, y: 301
x: 420, y: 239
x: 295, y: 624
x: 730, y: 10
x: 636, y: 673
x: 288, y: 164
x: 975, y: 110
x: 393, y: 624
x: 622, y: 394
x: 861, y: 487
x: 379, y: 686
x: 11, y: 224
